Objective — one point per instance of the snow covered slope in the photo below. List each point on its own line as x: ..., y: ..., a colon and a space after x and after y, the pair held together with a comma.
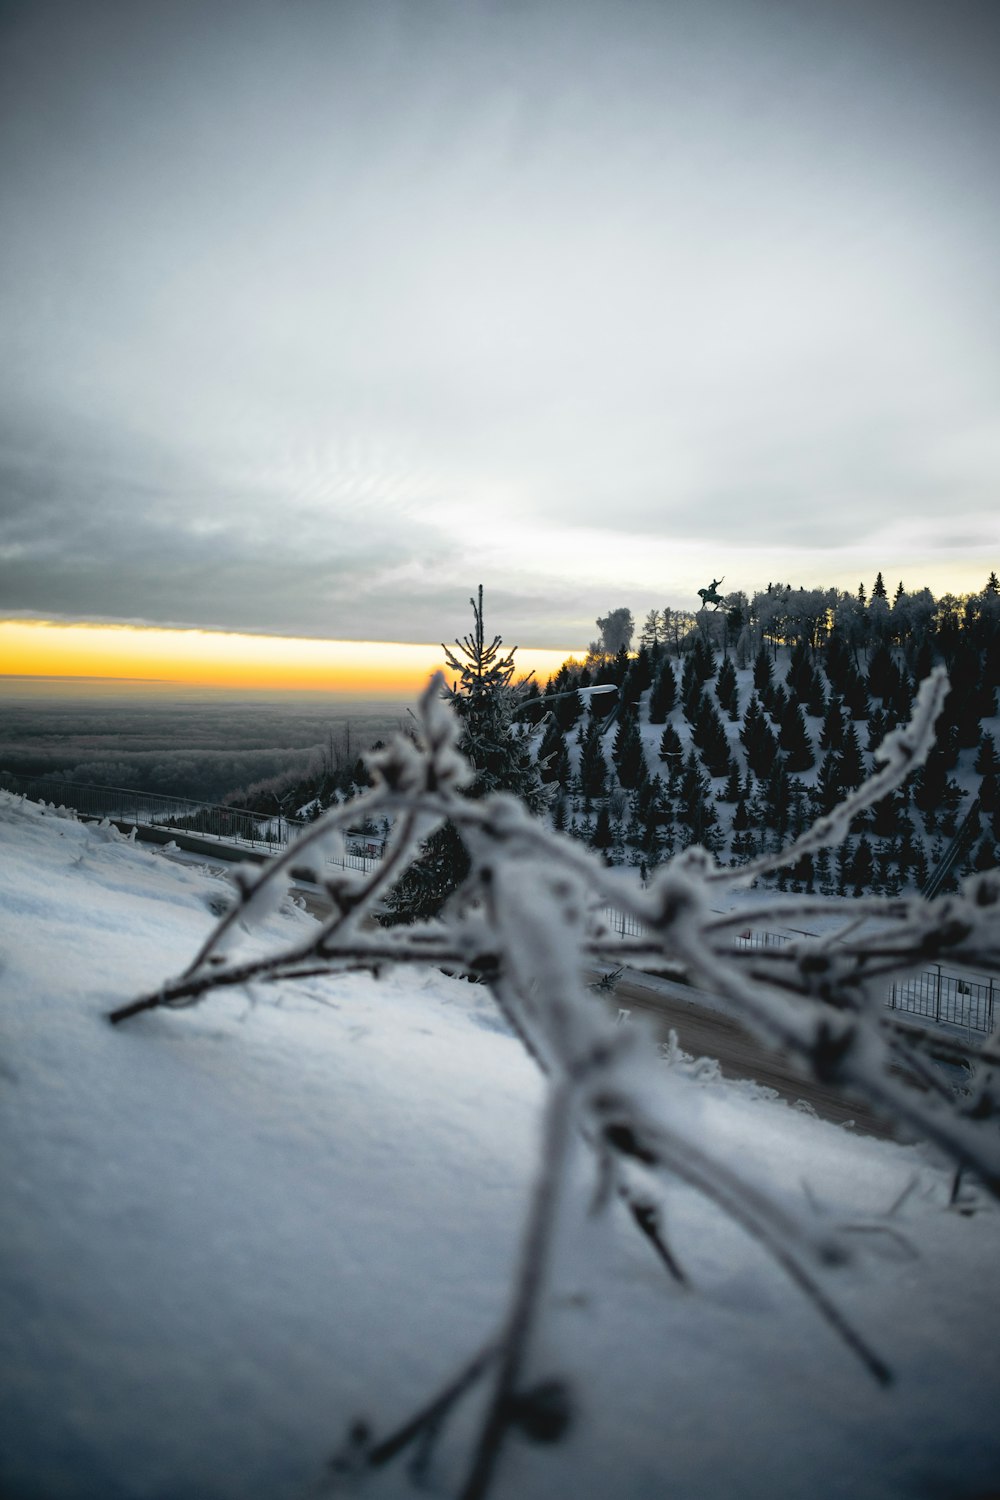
x: 228, y: 1231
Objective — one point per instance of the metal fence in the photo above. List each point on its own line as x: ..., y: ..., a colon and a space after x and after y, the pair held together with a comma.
x: 954, y: 998
x: 236, y: 825
x: 965, y: 1000
x: 261, y: 832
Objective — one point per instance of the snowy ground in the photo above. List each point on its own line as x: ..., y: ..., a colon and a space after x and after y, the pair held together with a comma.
x: 228, y: 1231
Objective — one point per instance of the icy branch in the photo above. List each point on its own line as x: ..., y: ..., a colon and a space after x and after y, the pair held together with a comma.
x: 523, y: 921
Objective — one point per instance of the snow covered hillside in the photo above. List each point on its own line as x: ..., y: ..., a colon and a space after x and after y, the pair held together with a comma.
x: 763, y: 717
x: 230, y: 1231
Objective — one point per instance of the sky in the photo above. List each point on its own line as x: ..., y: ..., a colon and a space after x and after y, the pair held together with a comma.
x: 316, y: 314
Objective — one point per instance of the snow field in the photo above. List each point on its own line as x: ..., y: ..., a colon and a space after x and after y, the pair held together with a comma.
x: 230, y: 1230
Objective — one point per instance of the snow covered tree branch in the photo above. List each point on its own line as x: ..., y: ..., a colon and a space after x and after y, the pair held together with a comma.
x: 526, y: 921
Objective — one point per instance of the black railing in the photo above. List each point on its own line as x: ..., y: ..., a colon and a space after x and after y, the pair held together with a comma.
x: 257, y: 831
x: 236, y: 825
x: 965, y: 1000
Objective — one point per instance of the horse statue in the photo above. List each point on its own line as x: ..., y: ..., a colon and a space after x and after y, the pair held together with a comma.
x: 711, y: 594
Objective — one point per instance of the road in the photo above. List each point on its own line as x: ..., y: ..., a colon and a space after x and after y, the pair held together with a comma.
x: 705, y: 1032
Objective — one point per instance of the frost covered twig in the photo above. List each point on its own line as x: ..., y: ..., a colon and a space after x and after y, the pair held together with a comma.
x: 523, y: 921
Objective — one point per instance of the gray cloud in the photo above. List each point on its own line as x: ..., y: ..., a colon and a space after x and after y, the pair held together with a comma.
x: 315, y: 315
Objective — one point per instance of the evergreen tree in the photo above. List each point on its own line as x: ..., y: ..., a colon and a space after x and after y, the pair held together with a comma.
x: 757, y: 739
x: 553, y: 756
x: 628, y: 753
x: 704, y: 659
x: 664, y: 694
x: 776, y: 797
x: 693, y: 788
x: 672, y: 753
x: 690, y: 680
x: 886, y: 816
x: 709, y: 735
x: 967, y: 702
x: 602, y: 837
x: 801, y: 674
x: 568, y: 710
x: 934, y: 791
x: 732, y: 791
x: 816, y: 702
x: 856, y: 695
x: 862, y: 866
x: 694, y: 701
x: 620, y: 665
x: 881, y: 672
x: 799, y: 814
x: 762, y: 670
x: 829, y: 788
x: 552, y: 742
x: 832, y: 734
x: 776, y: 702
x: 844, y: 866
x: 794, y: 740
x: 877, y: 729
x: 703, y: 827
x: 726, y: 688
x: 650, y: 812
x: 695, y: 809
x: 851, y: 760
x: 823, y: 878
x: 593, y: 767
x: 986, y: 760
x: 985, y: 857
x: 484, y: 703
x: 643, y: 669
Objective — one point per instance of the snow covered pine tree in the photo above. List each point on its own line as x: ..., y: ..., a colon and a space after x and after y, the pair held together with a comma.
x: 484, y: 699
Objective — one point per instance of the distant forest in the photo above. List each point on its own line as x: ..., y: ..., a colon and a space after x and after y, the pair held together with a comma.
x: 733, y: 728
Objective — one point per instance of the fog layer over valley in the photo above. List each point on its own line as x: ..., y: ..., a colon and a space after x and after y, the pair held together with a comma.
x: 190, y: 742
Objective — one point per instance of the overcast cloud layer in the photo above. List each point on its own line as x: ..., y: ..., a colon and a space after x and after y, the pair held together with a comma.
x: 315, y: 315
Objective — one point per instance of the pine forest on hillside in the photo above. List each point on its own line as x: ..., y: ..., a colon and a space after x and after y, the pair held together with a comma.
x: 736, y: 727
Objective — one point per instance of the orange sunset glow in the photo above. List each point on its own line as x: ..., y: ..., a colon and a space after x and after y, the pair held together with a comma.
x: 206, y: 658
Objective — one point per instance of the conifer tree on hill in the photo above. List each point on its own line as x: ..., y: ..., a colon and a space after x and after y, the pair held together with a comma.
x: 726, y: 688
x: 664, y: 694
x: 593, y: 766
x: 482, y: 696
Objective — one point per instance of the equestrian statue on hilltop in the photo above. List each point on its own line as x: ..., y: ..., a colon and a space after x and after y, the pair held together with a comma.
x: 711, y: 595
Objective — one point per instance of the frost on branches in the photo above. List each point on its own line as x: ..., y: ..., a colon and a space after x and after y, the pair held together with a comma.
x: 524, y: 921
